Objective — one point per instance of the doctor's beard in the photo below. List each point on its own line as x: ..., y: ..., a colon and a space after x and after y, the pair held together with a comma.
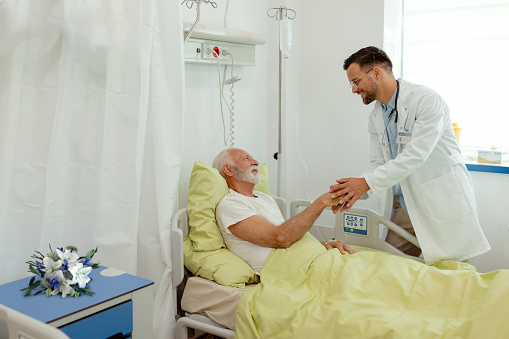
x: 246, y: 175
x: 371, y: 93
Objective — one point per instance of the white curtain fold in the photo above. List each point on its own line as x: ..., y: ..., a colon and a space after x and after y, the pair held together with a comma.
x: 91, y: 102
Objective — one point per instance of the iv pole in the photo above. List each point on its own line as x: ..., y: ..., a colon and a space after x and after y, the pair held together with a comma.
x: 280, y: 14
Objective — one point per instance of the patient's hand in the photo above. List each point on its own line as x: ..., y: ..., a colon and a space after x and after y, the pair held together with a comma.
x: 340, y: 246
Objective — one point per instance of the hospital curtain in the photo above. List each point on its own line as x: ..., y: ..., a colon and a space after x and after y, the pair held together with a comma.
x: 91, y: 96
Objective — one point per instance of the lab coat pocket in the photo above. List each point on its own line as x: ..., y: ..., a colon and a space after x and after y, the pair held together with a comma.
x: 444, y: 197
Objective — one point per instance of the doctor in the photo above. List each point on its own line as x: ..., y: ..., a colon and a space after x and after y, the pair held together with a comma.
x: 413, y: 152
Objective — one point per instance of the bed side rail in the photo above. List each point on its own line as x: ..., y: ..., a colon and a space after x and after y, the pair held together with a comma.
x: 179, y: 227
x: 281, y: 203
x: 359, y: 226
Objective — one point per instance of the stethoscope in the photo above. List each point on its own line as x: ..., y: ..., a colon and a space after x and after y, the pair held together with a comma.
x: 394, y: 110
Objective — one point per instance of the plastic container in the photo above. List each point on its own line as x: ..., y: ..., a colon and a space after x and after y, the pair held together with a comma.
x: 457, y: 131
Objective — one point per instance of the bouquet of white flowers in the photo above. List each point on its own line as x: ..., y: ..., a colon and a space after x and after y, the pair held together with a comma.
x: 61, y: 271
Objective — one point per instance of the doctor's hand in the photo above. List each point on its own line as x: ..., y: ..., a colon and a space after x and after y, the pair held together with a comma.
x: 350, y: 190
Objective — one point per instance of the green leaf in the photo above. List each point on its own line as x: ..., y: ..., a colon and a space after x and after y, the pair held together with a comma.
x: 24, y: 289
x: 77, y: 294
x: 38, y: 292
x: 32, y: 269
x: 48, y: 292
x: 27, y: 293
x: 72, y: 248
x: 90, y: 254
x: 94, y: 266
x: 87, y: 291
x: 37, y: 283
x: 31, y: 281
x: 72, y: 292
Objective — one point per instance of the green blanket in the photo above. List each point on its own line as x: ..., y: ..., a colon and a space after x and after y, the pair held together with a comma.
x: 308, y: 292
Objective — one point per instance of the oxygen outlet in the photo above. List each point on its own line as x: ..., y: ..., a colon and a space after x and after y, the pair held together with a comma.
x: 213, y: 52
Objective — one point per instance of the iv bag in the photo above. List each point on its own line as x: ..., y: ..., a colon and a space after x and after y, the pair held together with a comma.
x: 285, y: 36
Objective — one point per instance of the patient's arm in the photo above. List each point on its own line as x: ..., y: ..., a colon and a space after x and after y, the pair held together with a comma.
x: 260, y: 231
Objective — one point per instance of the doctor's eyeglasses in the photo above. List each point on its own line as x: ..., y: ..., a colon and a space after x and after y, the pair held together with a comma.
x: 354, y: 82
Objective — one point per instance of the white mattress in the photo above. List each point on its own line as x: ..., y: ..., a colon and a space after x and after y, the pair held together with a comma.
x: 208, y: 298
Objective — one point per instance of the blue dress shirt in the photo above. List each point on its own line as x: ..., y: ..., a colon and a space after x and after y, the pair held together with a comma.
x: 390, y: 137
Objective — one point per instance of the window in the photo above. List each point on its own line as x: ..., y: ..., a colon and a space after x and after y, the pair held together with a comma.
x: 460, y: 48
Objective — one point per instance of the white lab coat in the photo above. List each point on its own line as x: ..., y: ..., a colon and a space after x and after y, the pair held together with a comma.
x: 435, y: 182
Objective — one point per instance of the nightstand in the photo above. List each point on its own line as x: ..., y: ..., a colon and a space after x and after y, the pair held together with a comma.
x: 120, y: 304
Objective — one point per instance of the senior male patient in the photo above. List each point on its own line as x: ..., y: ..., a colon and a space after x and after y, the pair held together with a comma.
x: 250, y: 221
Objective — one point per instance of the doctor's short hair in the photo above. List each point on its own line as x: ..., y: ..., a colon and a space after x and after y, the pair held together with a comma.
x: 223, y: 158
x: 368, y: 57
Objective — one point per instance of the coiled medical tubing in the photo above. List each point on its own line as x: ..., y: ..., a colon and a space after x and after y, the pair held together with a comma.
x: 217, y: 54
x: 189, y: 4
x: 231, y: 81
x: 230, y: 106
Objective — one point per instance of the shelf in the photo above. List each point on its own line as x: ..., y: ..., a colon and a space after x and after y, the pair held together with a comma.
x: 204, y: 39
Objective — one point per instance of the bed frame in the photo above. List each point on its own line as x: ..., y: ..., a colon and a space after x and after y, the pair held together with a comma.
x: 359, y: 226
x: 180, y: 227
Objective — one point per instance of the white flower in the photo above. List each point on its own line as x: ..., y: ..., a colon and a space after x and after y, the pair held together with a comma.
x: 65, y: 288
x: 51, y: 267
x: 80, y: 274
x: 59, y: 277
x: 64, y: 285
x: 62, y: 271
x: 70, y: 256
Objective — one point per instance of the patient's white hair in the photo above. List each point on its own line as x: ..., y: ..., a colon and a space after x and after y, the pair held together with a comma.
x: 223, y: 158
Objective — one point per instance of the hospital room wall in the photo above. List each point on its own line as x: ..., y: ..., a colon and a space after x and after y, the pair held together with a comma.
x: 326, y: 125
x: 320, y: 110
x: 203, y: 127
x: 322, y: 116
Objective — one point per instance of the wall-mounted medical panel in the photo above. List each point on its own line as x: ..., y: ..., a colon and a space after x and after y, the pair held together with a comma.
x: 207, y: 45
x: 209, y: 51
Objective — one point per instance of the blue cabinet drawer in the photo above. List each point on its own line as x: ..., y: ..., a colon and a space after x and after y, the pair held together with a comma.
x: 117, y: 319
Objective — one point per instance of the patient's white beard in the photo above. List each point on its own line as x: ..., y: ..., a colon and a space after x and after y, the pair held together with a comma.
x: 246, y: 175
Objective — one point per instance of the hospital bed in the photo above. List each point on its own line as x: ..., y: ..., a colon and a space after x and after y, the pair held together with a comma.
x: 359, y: 226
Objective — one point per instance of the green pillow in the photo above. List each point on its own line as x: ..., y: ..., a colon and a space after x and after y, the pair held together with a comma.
x: 206, y: 188
x: 205, y: 254
x: 263, y: 185
x: 220, y: 265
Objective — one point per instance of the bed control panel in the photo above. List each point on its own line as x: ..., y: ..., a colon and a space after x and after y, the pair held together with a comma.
x: 355, y: 224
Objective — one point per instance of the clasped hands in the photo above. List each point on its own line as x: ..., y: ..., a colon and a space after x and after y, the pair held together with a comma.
x: 349, y: 190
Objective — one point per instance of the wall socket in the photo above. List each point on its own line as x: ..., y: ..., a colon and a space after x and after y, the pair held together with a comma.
x: 213, y: 52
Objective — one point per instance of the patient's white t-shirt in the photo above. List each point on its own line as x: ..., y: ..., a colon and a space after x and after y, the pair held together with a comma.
x: 235, y: 207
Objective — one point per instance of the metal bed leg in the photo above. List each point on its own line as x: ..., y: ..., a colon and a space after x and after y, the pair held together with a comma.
x: 184, y: 323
